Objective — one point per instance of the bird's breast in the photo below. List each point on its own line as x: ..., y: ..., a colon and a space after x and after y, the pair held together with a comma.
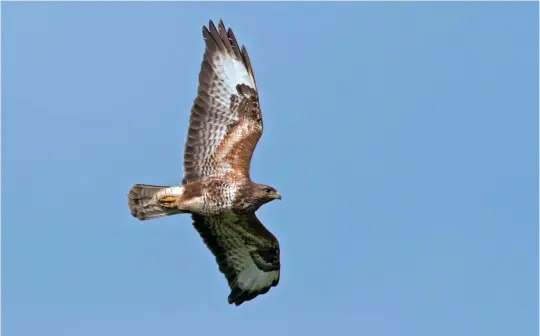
x: 219, y: 196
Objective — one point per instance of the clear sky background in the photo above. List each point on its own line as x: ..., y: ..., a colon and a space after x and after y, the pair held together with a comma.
x: 402, y: 136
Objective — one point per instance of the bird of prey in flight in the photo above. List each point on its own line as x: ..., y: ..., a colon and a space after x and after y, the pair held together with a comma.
x: 225, y: 125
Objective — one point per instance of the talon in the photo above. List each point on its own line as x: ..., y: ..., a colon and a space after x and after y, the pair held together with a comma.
x: 168, y: 199
x: 168, y: 202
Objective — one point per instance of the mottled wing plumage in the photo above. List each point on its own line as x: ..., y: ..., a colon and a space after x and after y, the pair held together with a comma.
x: 246, y: 252
x: 225, y: 122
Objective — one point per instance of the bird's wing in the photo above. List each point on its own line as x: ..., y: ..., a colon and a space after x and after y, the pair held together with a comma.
x: 225, y: 123
x: 246, y: 252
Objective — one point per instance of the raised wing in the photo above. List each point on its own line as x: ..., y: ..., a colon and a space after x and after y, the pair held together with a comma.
x: 225, y: 122
x: 246, y: 252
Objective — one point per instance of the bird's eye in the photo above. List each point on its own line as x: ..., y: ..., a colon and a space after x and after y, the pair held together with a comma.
x: 267, y: 190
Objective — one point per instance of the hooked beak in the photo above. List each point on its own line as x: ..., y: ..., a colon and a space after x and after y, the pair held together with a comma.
x: 278, y: 196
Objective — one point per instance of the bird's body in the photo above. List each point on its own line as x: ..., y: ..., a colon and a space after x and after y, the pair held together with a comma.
x: 207, y: 197
x: 225, y: 125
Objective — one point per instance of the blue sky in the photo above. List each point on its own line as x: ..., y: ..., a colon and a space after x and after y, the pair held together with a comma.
x: 402, y: 136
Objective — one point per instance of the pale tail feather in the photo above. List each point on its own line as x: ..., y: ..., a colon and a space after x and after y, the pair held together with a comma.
x: 143, y: 201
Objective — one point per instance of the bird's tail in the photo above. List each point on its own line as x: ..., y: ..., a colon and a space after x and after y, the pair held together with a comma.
x: 145, y: 201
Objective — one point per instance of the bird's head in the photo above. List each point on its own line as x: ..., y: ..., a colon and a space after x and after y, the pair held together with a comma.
x: 266, y: 193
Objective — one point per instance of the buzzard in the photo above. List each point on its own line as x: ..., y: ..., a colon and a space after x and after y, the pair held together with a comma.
x: 225, y: 125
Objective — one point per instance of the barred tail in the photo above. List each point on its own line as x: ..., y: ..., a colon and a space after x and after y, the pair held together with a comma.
x: 143, y: 201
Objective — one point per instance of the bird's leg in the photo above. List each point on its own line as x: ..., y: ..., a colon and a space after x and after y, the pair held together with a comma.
x: 169, y: 201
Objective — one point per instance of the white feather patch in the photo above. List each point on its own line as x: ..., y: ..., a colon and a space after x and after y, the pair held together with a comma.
x: 252, y: 278
x: 234, y: 73
x: 172, y: 191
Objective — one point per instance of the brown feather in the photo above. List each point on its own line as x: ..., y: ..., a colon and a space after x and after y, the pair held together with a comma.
x: 225, y: 122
